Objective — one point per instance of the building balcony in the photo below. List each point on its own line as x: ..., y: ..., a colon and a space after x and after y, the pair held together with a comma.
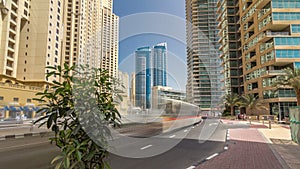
x: 274, y: 34
x: 271, y: 73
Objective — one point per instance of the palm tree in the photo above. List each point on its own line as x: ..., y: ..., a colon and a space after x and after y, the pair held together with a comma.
x: 252, y: 103
x: 291, y: 78
x: 232, y: 100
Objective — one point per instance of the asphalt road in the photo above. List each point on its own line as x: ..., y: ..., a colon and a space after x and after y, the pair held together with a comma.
x: 27, y: 153
x: 197, y: 144
x: 175, y: 150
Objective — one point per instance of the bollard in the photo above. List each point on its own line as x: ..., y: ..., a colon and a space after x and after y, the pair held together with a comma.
x: 270, y: 124
x: 250, y: 120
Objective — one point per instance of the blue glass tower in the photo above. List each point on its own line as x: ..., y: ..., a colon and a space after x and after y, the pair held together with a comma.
x: 159, y: 61
x: 143, y: 77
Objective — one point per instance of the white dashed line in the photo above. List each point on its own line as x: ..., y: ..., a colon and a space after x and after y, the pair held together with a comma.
x: 191, y: 167
x: 148, y: 146
x: 172, y: 136
x: 226, y: 148
x: 212, y: 156
x: 185, y: 131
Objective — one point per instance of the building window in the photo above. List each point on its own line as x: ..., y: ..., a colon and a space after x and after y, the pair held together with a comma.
x: 55, y: 60
x: 56, y: 52
x: 1, y: 98
x: 15, y: 99
x: 28, y: 100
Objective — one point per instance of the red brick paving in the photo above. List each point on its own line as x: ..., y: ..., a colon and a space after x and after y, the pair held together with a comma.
x: 247, y: 150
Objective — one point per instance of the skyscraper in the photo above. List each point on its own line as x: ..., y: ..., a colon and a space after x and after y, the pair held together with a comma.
x: 91, y: 35
x: 159, y: 64
x: 230, y: 40
x: 30, y: 40
x: 123, y: 86
x: 270, y: 33
x: 40, y: 33
x: 132, y: 89
x: 204, y: 65
x: 143, y: 77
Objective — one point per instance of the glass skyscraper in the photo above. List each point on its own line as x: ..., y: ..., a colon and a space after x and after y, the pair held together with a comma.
x: 204, y: 65
x: 143, y: 77
x: 159, y: 61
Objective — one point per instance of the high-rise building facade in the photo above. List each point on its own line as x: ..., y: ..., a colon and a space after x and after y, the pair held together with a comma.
x: 204, y: 64
x: 91, y: 34
x: 230, y: 41
x: 30, y: 40
x: 143, y: 77
x: 132, y: 89
x: 123, y: 86
x: 159, y: 64
x: 270, y: 37
x: 40, y: 33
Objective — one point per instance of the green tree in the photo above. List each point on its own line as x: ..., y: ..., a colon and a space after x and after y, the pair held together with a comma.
x: 232, y: 100
x: 79, y: 109
x: 252, y: 103
x: 291, y: 78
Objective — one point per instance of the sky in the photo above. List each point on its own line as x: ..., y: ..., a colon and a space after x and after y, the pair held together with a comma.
x: 147, y: 23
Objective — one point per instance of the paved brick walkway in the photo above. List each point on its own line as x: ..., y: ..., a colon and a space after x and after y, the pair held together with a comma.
x: 247, y: 150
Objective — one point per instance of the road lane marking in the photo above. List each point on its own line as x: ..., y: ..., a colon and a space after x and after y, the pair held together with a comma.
x: 191, y: 167
x: 185, y: 131
x: 226, y: 148
x: 172, y: 136
x: 148, y: 146
x: 212, y: 156
x: 24, y: 145
x: 193, y: 127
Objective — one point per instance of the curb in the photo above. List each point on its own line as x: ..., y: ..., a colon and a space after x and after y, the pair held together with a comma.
x: 20, y: 136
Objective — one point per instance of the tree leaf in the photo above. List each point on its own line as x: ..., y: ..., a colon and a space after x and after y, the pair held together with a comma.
x: 56, y: 159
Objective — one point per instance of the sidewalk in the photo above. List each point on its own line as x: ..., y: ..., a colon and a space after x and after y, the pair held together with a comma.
x: 21, y: 132
x: 257, y: 147
x: 280, y: 139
